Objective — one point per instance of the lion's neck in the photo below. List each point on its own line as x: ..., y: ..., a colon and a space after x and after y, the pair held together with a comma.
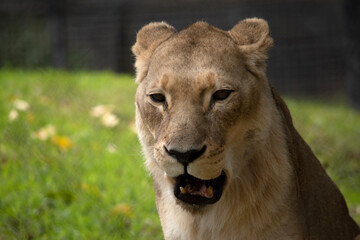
x: 259, y: 196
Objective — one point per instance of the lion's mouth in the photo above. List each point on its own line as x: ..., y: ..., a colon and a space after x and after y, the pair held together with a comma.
x: 192, y: 190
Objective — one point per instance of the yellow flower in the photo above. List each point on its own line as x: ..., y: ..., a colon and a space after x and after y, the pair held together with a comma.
x: 62, y: 142
x: 91, y: 189
x: 122, y: 209
x: 30, y: 117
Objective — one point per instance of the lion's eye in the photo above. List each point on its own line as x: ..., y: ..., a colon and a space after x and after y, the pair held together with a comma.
x: 221, y: 95
x: 158, y: 97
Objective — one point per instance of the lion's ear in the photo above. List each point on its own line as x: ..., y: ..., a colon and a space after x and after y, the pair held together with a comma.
x: 252, y: 36
x: 147, y: 40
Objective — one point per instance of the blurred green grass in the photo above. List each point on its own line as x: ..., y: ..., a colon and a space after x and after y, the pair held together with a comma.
x: 96, y: 187
x: 87, y: 180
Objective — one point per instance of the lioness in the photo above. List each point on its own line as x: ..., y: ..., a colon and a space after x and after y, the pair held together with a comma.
x: 226, y: 160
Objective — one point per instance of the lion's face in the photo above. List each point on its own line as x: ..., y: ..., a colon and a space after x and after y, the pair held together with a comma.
x: 196, y: 96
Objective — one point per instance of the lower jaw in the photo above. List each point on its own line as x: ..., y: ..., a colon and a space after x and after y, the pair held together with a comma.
x: 191, y: 208
x: 197, y: 201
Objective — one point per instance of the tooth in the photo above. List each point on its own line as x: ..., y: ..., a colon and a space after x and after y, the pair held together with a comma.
x: 210, y: 190
x: 183, y: 190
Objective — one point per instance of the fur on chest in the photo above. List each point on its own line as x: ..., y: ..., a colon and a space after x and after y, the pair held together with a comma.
x: 225, y: 220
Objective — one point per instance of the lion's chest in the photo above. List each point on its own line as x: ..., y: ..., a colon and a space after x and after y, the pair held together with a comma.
x: 179, y: 224
x: 221, y: 223
x: 185, y: 227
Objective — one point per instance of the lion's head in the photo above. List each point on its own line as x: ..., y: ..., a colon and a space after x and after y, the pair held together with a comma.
x: 199, y: 91
x: 226, y: 160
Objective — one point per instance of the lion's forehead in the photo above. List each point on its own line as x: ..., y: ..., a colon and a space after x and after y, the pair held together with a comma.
x: 197, y: 82
x: 184, y: 57
x: 197, y: 77
x: 195, y: 50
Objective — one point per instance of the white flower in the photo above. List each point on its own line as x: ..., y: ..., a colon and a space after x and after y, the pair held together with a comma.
x: 21, y: 105
x: 104, y: 112
x: 109, y: 120
x: 13, y: 115
x: 44, y: 133
x: 100, y: 110
x: 112, y: 148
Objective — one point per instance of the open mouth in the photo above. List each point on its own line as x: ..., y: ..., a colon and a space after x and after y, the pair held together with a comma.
x: 196, y: 191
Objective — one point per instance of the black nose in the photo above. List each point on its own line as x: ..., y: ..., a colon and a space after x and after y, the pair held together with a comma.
x: 186, y: 157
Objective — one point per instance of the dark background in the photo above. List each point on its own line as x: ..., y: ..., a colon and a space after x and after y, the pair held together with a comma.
x: 316, y: 49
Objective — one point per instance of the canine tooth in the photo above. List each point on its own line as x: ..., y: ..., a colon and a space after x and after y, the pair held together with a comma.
x: 210, y: 190
x: 183, y: 190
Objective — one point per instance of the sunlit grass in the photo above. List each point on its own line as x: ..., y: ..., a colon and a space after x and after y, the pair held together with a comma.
x: 86, y: 179
x: 67, y: 174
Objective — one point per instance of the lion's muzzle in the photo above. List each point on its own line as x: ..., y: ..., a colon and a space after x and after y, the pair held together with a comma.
x: 185, y: 157
x: 190, y: 189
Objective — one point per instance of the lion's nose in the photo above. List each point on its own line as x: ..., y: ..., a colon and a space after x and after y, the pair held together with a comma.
x: 185, y: 157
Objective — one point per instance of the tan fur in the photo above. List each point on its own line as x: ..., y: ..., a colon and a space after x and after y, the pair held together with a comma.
x: 275, y: 187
